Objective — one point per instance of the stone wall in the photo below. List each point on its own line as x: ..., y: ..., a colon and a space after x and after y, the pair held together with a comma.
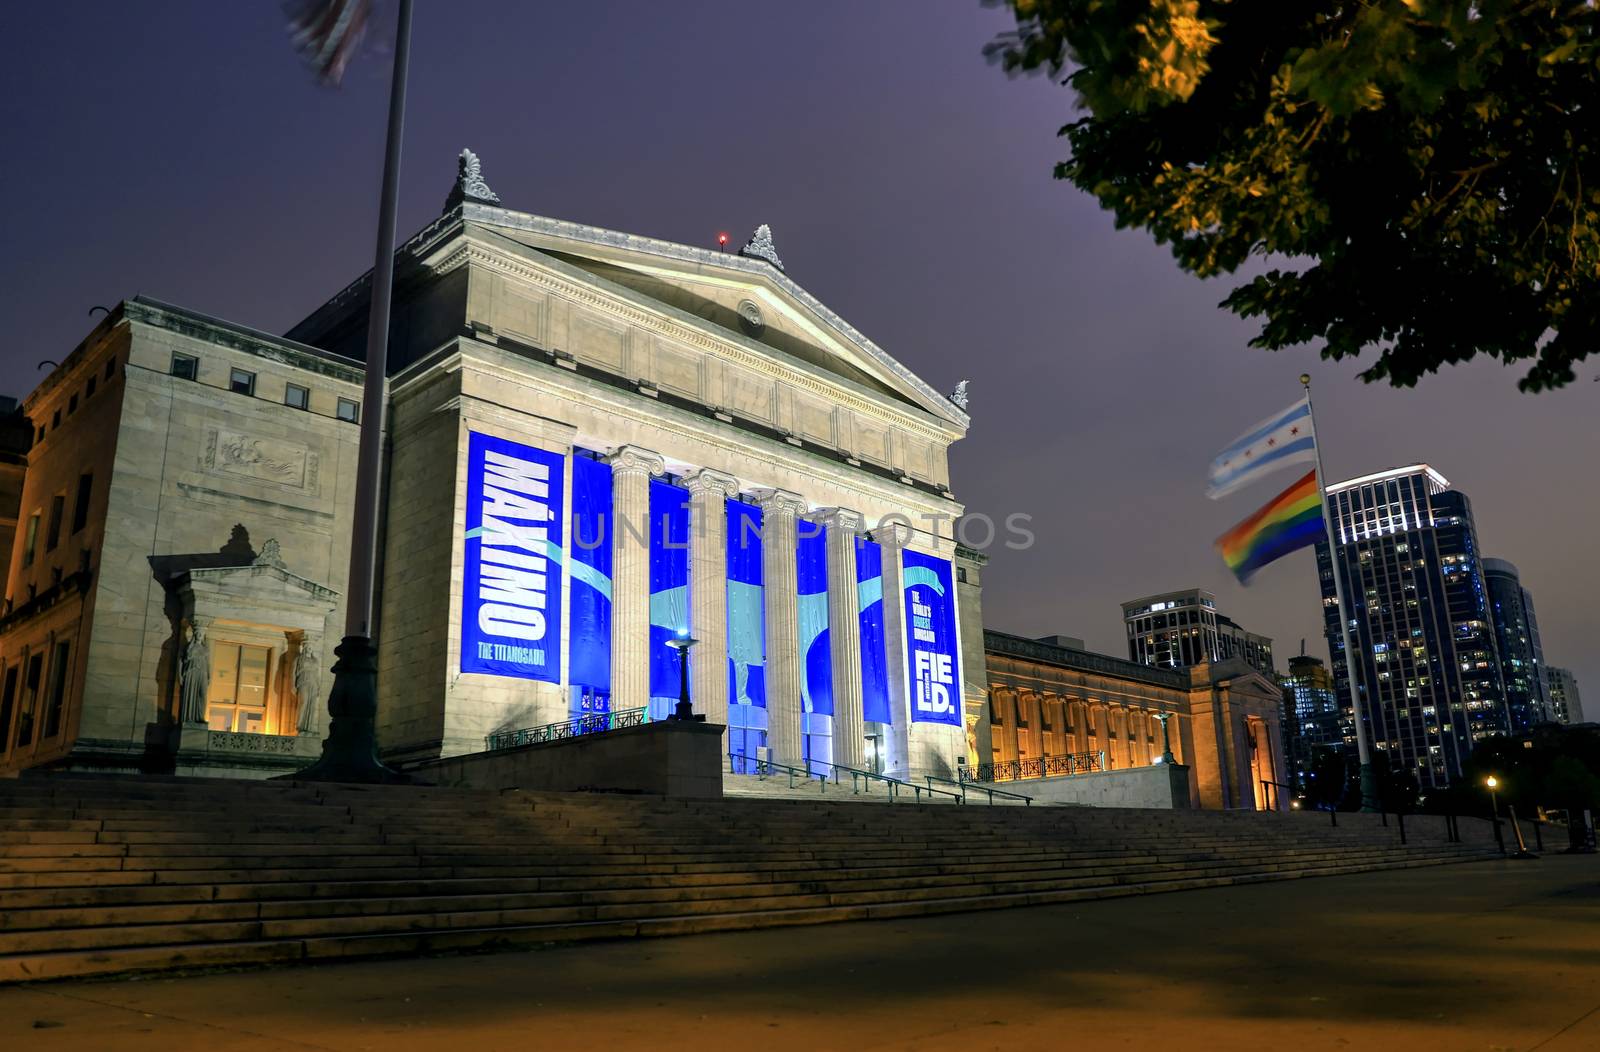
x: 666, y: 758
x: 1159, y: 786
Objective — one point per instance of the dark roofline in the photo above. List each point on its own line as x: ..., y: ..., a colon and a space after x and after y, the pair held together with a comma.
x: 1083, y: 660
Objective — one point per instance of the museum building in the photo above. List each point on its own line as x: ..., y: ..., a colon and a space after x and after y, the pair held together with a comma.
x: 598, y: 447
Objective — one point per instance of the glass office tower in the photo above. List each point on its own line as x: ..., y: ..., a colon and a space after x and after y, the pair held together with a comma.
x: 1318, y: 721
x: 1426, y: 660
x: 1516, y: 636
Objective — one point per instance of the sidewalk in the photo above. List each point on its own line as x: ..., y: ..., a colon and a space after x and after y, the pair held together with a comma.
x: 1490, y: 956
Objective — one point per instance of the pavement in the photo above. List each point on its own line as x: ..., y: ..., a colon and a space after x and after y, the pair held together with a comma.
x: 1496, y: 956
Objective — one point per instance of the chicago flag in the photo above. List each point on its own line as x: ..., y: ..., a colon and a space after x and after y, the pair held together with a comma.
x: 1277, y: 442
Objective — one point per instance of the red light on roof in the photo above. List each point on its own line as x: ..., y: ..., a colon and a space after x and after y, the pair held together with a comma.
x: 722, y: 239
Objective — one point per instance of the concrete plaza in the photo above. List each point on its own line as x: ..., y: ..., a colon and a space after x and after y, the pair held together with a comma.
x: 1489, y: 955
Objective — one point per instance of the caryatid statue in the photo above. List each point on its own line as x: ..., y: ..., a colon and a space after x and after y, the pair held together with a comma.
x: 196, y: 676
x: 306, y: 680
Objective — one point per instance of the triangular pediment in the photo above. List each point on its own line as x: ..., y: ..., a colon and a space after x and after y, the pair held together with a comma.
x: 746, y: 299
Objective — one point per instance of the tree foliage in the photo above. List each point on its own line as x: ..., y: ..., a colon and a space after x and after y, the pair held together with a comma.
x: 1418, y: 174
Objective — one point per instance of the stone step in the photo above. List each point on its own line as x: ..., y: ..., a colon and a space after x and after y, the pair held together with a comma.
x: 235, y: 921
x: 61, y: 962
x: 46, y: 914
x: 197, y: 868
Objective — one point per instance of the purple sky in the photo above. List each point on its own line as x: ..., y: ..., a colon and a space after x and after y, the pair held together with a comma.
x: 179, y: 149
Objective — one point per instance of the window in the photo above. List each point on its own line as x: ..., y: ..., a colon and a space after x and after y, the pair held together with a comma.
x: 111, y: 368
x: 241, y: 382
x: 55, y: 419
x: 88, y: 392
x: 237, y: 700
x: 59, y: 670
x: 349, y: 410
x: 185, y: 366
x: 72, y: 405
x: 8, y: 702
x: 31, y: 544
x: 58, y: 509
x: 296, y: 397
x: 80, y: 510
x: 30, y: 698
x: 961, y: 574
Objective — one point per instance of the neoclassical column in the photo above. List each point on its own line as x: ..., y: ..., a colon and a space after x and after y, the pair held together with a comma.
x: 844, y: 637
x: 1014, y: 714
x: 1102, y: 724
x: 781, y: 585
x: 631, y: 471
x: 893, y: 538
x: 708, y: 593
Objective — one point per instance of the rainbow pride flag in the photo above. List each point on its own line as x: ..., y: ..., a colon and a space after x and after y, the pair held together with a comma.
x: 1289, y: 521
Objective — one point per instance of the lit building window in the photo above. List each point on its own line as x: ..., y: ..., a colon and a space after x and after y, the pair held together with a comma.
x: 237, y: 699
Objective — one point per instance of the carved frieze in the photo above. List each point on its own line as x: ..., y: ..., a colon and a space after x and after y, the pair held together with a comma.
x: 263, y: 459
x: 244, y: 741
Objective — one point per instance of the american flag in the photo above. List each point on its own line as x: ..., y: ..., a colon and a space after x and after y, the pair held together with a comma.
x: 327, y: 33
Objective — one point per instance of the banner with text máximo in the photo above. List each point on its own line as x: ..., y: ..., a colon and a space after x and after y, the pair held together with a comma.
x: 933, y: 658
x: 511, y: 587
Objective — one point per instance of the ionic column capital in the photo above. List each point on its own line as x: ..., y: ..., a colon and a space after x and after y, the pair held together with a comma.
x: 892, y: 534
x: 713, y: 483
x: 636, y: 460
x: 841, y: 518
x: 780, y: 501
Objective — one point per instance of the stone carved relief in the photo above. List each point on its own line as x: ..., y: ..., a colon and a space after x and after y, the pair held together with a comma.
x: 265, y: 459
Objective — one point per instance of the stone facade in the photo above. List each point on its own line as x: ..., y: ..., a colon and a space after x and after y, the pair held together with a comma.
x: 713, y: 370
x: 173, y: 479
x: 1049, y: 701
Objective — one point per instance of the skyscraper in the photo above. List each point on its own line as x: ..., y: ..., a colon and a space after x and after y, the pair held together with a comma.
x: 1565, y: 706
x: 1426, y: 660
x: 1318, y: 721
x: 1180, y: 629
x: 1516, y: 636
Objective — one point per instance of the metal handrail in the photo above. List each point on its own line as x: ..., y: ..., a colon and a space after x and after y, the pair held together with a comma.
x: 1027, y: 801
x: 1277, y: 797
x: 591, y: 723
x: 859, y: 777
x: 765, y: 767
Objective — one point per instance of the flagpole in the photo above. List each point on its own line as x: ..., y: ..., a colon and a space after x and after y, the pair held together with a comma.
x: 350, y: 751
x: 1369, y: 795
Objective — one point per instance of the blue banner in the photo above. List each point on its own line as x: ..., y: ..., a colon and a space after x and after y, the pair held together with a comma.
x: 589, y: 631
x: 511, y: 587
x: 747, y: 615
x: 933, y: 660
x: 874, y: 651
x: 816, y: 657
x: 669, y: 589
x: 747, y: 635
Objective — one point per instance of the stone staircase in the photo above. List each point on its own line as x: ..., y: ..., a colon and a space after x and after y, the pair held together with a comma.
x: 104, y: 875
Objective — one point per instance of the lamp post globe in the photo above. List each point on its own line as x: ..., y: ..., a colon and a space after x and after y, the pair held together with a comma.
x: 684, y: 710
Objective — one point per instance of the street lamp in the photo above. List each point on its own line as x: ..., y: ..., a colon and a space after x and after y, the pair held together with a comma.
x: 684, y: 711
x: 1166, y: 739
